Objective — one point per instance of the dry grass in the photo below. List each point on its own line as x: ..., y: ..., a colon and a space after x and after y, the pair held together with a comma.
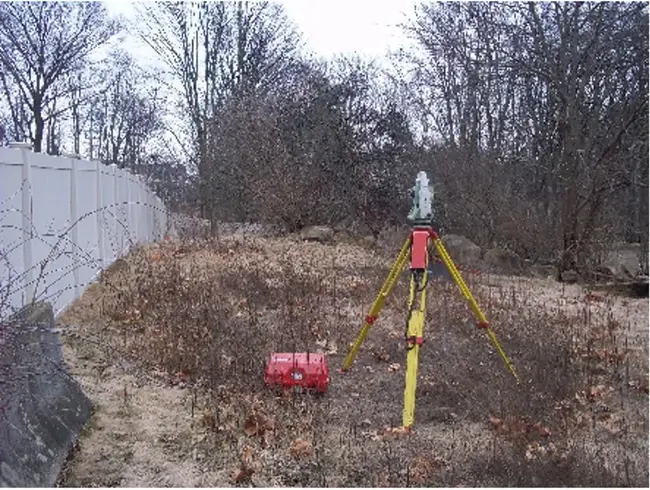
x: 172, y: 345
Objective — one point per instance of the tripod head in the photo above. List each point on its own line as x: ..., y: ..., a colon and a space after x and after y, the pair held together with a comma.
x: 422, y: 194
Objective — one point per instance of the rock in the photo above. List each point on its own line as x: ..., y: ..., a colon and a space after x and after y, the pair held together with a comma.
x: 544, y: 270
x: 321, y: 234
x: 504, y: 261
x: 622, y: 261
x: 570, y: 277
x: 368, y: 241
x: 462, y: 250
x: 640, y: 286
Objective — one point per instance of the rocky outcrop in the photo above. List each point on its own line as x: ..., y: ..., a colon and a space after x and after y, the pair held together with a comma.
x: 503, y: 261
x: 620, y: 263
x: 543, y: 271
x: 322, y: 234
x: 462, y: 250
x: 44, y: 409
x: 570, y: 277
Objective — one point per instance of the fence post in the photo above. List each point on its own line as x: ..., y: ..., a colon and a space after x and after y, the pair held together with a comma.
x: 27, y: 223
x: 164, y: 229
x: 100, y: 213
x: 144, y: 210
x: 126, y: 182
x: 151, y: 215
x: 116, y: 208
x: 137, y: 206
x: 74, y: 216
x: 147, y: 214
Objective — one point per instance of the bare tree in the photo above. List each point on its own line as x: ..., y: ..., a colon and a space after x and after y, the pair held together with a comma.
x: 217, y: 52
x: 125, y: 113
x: 537, y: 115
x: 42, y: 43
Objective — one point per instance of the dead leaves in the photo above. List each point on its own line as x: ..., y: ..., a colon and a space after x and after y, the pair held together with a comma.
x: 243, y: 474
x: 592, y: 394
x: 421, y: 468
x: 639, y: 385
x: 258, y: 424
x: 516, y: 427
x: 381, y: 355
x: 393, y: 367
x: 396, y: 431
x: 300, y: 448
x: 387, y: 433
x: 326, y: 347
x: 606, y: 356
x: 208, y: 419
x: 538, y: 450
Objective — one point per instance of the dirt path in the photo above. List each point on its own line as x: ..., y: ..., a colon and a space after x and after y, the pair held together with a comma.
x: 141, y: 434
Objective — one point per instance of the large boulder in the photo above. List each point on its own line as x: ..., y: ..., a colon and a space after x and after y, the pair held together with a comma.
x: 323, y: 234
x: 570, y: 277
x: 621, y: 262
x: 462, y: 250
x: 543, y: 271
x: 640, y: 286
x: 503, y: 261
x: 44, y: 408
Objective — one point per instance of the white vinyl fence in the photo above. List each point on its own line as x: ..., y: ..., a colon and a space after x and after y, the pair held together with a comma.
x: 63, y: 220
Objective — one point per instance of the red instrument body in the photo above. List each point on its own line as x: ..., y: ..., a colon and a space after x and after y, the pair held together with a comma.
x: 298, y: 370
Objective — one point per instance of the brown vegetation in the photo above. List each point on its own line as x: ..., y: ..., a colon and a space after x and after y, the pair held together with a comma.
x: 203, y: 316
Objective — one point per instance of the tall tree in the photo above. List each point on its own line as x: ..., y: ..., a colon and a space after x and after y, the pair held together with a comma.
x: 42, y: 43
x: 537, y: 115
x: 125, y: 113
x: 217, y: 52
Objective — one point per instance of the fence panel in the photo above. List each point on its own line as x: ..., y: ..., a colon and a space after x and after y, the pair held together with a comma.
x: 11, y: 230
x: 62, y: 220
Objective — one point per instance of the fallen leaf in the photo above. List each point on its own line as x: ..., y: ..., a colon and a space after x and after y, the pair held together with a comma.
x: 327, y: 347
x: 208, y: 418
x: 496, y: 423
x: 300, y: 448
x: 257, y: 424
x: 595, y: 392
x: 396, y: 431
x: 419, y: 469
x: 247, y: 454
x: 543, y: 431
x: 594, y: 297
x: 381, y: 355
x: 393, y: 367
x: 534, y: 450
x: 243, y: 473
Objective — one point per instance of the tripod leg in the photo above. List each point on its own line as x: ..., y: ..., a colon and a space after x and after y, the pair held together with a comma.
x: 483, y: 323
x: 414, y: 341
x: 385, y: 290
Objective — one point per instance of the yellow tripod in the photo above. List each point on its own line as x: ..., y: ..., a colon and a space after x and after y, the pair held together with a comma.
x: 416, y: 248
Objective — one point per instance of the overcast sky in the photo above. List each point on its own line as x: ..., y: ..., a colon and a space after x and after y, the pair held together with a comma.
x: 333, y: 27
